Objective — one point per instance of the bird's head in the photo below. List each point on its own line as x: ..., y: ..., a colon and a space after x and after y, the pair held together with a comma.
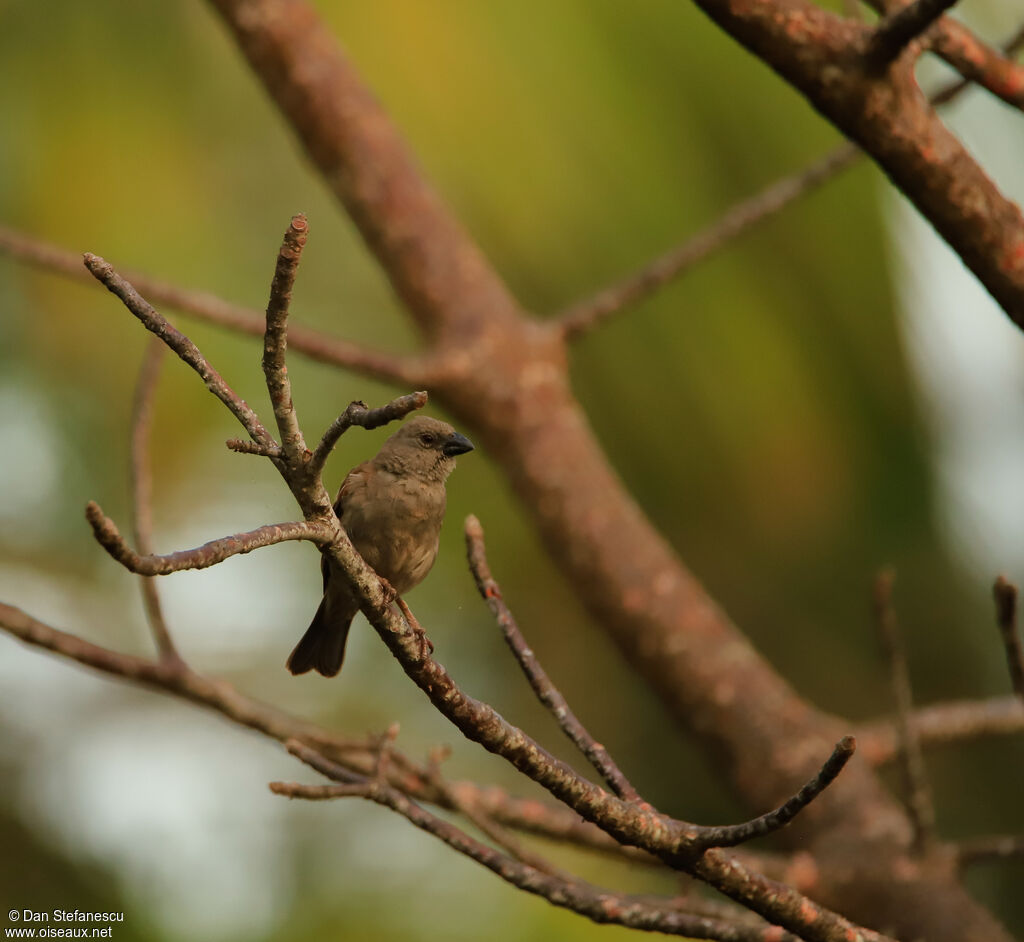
x: 424, y: 446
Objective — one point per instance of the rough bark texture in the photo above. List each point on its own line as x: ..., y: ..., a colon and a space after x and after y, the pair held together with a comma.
x: 506, y: 376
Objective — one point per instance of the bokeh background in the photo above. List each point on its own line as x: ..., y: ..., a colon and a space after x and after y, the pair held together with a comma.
x: 830, y: 395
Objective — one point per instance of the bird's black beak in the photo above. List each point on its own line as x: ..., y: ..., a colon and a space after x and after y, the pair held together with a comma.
x: 456, y: 445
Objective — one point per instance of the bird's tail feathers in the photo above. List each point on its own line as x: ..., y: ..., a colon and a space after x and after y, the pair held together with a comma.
x: 322, y: 647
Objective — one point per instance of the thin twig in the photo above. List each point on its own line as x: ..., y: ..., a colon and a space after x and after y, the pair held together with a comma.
x: 943, y: 724
x: 731, y: 835
x: 917, y: 796
x: 180, y: 344
x: 539, y: 680
x: 357, y: 413
x: 204, y: 306
x: 898, y: 29
x: 275, y: 339
x: 635, y: 823
x: 209, y: 554
x: 486, y: 824
x: 553, y: 822
x: 648, y: 913
x: 183, y: 682
x: 142, y: 491
x: 245, y: 447
x: 592, y: 312
x: 1006, y: 615
x: 987, y: 849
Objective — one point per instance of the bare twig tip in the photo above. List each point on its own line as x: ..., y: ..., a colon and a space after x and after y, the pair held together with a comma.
x: 1005, y: 593
x: 96, y: 265
x: 96, y: 517
x: 299, y: 222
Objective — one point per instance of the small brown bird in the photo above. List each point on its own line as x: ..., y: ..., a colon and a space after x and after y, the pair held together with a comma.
x: 391, y: 507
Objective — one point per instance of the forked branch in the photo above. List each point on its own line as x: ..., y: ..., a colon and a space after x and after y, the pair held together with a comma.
x: 632, y: 823
x: 648, y: 913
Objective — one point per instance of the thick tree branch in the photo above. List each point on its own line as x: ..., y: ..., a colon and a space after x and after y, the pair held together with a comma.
x: 592, y: 312
x: 820, y: 55
x: 542, y: 685
x: 446, y: 282
x: 202, y: 557
x: 506, y: 378
x: 898, y: 29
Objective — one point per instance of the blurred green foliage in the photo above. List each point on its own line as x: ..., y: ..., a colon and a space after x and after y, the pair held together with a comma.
x: 760, y: 410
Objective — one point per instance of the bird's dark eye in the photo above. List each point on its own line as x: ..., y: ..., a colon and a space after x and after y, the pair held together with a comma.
x: 427, y: 439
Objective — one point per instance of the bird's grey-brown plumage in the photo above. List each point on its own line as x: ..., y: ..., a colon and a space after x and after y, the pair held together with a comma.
x: 391, y: 507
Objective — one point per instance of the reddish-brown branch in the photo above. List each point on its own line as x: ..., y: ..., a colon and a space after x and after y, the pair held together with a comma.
x: 630, y: 823
x: 651, y: 914
x: 976, y: 61
x: 204, y: 306
x: 898, y: 29
x: 591, y: 312
x: 979, y: 63
x: 209, y: 554
x: 179, y: 680
x: 943, y: 724
x: 275, y: 339
x: 1006, y: 616
x: 180, y: 344
x: 506, y: 377
x: 447, y: 283
x: 554, y: 822
x: 917, y: 792
x: 542, y: 685
x: 142, y: 491
x: 821, y: 55
x: 987, y: 849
